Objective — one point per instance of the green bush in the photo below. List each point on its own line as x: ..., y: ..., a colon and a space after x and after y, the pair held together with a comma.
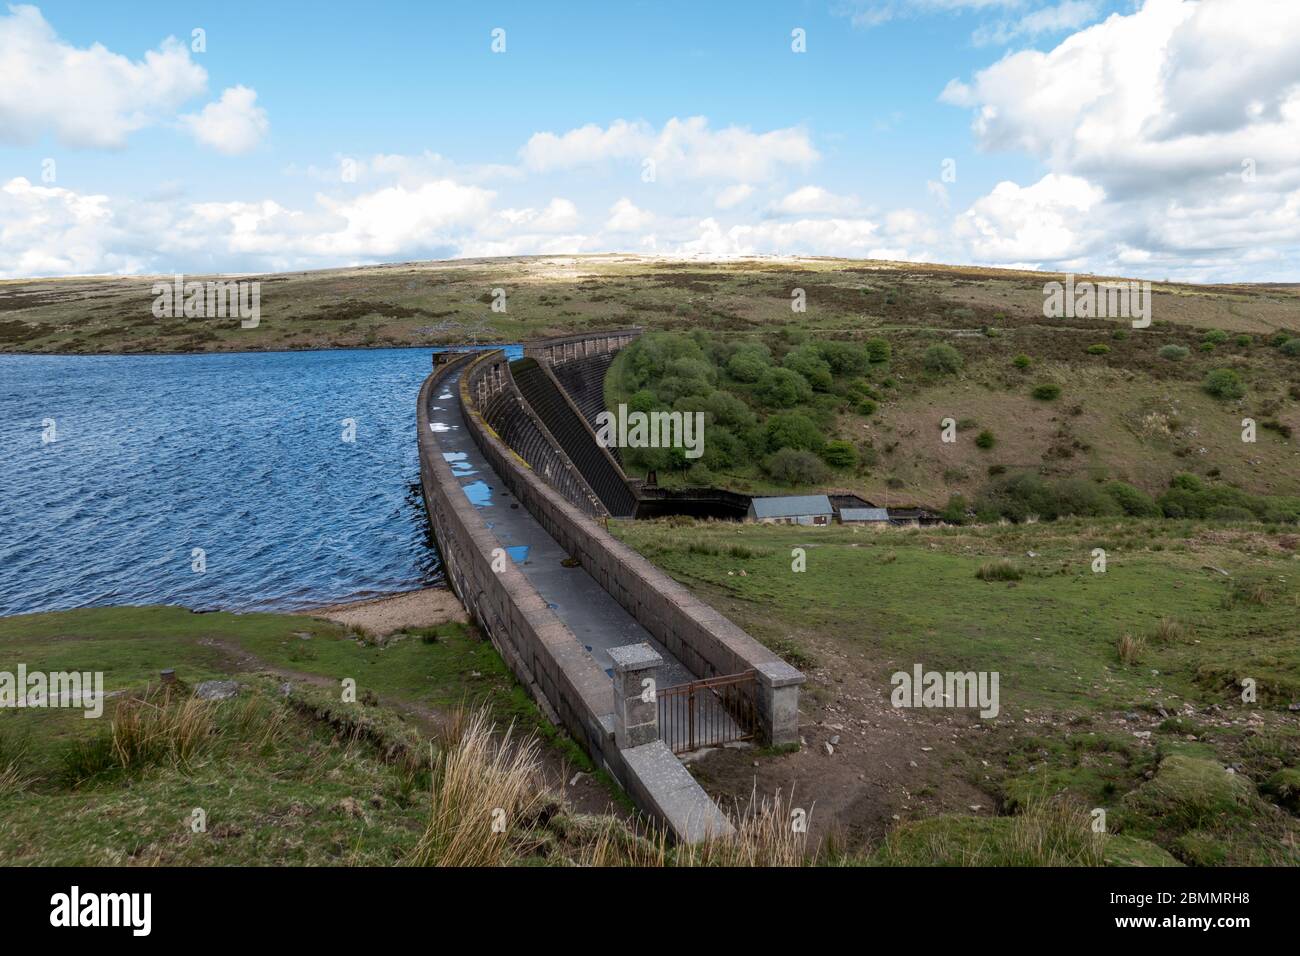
x: 782, y: 388
x: 790, y: 466
x: 749, y: 364
x: 840, y: 454
x: 985, y: 440
x: 1291, y: 347
x: 1022, y: 361
x: 1098, y: 349
x: 1224, y: 383
x: 807, y: 361
x: 1245, y: 341
x: 792, y: 430
x: 1132, y: 501
x: 866, y: 407
x: 844, y: 358
x: 1047, y: 392
x: 1217, y: 336
x: 878, y: 350
x: 943, y: 359
x: 1174, y: 353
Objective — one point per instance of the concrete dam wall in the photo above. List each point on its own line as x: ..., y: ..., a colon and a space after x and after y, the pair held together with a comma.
x: 572, y: 640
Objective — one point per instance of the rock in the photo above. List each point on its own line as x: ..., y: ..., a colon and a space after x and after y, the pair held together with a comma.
x: 216, y: 690
x: 835, y: 740
x: 926, y: 749
x: 1131, y: 715
x: 976, y: 807
x: 829, y: 749
x: 1141, y: 734
x: 579, y: 775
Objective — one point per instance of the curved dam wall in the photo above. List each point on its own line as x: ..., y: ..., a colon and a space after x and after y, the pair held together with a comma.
x: 579, y: 363
x: 541, y: 650
x: 702, y: 638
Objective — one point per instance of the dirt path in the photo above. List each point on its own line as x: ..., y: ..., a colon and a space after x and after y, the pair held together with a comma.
x: 864, y: 766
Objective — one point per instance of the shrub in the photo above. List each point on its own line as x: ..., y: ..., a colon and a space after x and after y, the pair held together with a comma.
x: 844, y: 358
x: 943, y: 359
x: 1174, y: 353
x: 1224, y: 383
x: 782, y: 388
x: 749, y: 362
x: 954, y: 512
x: 1217, y: 336
x: 878, y: 350
x: 1022, y: 361
x: 792, y: 430
x: 1291, y: 347
x: 1046, y: 392
x: 866, y: 407
x: 985, y: 440
x: 1132, y: 501
x: 790, y: 466
x: 1098, y: 349
x: 1245, y: 341
x: 840, y: 454
x: 1000, y: 570
x: 807, y: 361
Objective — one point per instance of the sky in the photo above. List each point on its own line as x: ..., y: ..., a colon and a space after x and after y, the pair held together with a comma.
x: 1146, y: 138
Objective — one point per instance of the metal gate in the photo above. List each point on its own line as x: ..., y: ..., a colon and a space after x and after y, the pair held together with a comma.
x: 709, y: 712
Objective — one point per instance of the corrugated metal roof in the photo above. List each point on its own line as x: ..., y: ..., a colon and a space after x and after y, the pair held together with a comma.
x: 864, y: 514
x: 791, y: 506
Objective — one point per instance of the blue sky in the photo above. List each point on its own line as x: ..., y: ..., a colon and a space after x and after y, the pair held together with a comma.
x: 235, y: 157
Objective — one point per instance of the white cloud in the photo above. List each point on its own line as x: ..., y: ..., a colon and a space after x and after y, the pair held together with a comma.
x: 233, y: 124
x: 1156, y: 112
x: 1044, y: 222
x: 683, y: 148
x: 811, y: 199
x: 733, y: 196
x: 559, y: 215
x: 85, y: 97
x: 624, y: 216
x: 1068, y: 15
x: 46, y: 230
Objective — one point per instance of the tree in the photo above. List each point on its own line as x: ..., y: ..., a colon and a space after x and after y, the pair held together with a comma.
x: 790, y: 466
x: 840, y: 454
x: 782, y: 388
x: 793, y: 430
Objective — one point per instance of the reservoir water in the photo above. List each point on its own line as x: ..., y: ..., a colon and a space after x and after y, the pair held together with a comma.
x: 250, y: 481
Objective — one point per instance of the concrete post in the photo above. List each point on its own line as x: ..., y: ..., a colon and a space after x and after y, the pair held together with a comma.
x: 778, y: 703
x: 636, y: 705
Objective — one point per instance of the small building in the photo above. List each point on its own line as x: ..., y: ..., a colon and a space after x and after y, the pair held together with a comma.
x: 791, y: 509
x: 878, y: 517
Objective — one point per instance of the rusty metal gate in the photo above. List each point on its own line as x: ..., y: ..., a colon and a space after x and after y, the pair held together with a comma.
x: 709, y: 712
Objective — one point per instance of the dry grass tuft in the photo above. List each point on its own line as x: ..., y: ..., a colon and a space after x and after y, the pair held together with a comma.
x: 483, y: 790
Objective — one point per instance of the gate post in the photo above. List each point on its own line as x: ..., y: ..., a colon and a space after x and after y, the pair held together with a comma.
x: 778, y: 703
x: 636, y: 703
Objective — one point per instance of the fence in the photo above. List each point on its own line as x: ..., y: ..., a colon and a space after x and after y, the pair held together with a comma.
x: 710, y: 712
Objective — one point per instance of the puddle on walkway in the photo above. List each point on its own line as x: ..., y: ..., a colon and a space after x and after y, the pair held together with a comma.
x: 460, y: 466
x: 479, y: 494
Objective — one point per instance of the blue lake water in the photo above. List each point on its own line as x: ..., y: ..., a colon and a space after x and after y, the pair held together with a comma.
x: 240, y: 455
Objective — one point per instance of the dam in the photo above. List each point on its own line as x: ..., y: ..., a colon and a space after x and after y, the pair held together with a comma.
x: 634, y: 666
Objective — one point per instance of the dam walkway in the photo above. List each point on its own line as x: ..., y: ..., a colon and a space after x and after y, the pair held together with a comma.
x: 598, y: 621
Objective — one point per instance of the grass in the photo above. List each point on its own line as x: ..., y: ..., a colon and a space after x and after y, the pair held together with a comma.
x: 918, y: 595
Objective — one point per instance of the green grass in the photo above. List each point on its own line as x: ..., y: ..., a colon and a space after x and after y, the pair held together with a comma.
x: 303, y: 779
x: 887, y: 599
